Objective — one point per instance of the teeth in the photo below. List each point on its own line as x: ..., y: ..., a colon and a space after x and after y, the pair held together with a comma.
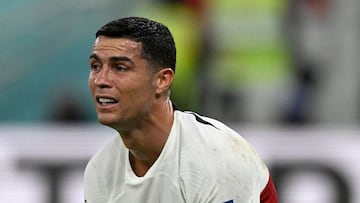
x: 106, y: 100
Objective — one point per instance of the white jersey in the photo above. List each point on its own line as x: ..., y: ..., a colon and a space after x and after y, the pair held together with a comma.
x: 202, y: 161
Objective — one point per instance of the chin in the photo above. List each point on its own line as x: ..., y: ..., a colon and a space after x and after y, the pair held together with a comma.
x: 111, y: 121
x: 106, y: 120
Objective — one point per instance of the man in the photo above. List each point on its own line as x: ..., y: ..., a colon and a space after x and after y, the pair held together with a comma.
x: 161, y: 153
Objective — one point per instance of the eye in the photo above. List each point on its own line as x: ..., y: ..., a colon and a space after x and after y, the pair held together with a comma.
x: 95, y: 66
x: 120, y: 67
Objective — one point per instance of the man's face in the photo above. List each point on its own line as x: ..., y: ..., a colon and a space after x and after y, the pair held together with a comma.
x: 120, y: 81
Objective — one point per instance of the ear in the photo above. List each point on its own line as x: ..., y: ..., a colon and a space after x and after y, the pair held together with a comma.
x: 164, y: 79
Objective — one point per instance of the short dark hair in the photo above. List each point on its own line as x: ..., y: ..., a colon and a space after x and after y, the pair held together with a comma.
x: 156, y: 39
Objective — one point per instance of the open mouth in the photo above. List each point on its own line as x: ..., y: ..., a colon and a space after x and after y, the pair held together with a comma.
x: 106, y: 100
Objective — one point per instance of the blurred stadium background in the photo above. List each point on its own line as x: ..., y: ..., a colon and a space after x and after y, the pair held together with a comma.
x: 283, y: 73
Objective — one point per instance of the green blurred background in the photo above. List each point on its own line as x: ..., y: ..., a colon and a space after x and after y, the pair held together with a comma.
x: 263, y: 62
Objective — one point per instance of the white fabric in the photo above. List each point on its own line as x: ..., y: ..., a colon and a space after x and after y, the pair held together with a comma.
x: 199, y: 163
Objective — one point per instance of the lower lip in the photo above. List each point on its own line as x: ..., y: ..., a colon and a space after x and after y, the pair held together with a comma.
x: 105, y: 106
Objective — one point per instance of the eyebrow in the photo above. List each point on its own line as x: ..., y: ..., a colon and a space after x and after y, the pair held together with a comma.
x: 113, y: 58
x: 94, y: 56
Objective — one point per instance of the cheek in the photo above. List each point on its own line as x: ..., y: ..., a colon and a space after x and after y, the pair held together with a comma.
x: 141, y: 87
x: 142, y: 94
x: 91, y: 83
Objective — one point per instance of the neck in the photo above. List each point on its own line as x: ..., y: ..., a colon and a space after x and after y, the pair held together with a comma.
x: 146, y: 142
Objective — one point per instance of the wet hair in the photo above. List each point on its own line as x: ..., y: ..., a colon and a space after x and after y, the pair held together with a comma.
x: 156, y: 39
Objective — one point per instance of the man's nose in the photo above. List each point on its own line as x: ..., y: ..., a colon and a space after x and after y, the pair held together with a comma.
x: 103, y: 78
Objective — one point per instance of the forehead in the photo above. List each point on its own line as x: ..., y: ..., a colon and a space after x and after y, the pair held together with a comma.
x: 117, y: 45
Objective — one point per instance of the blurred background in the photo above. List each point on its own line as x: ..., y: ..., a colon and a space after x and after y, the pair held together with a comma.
x: 283, y: 73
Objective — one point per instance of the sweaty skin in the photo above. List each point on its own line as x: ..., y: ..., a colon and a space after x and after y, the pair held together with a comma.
x: 131, y: 98
x: 120, y: 73
x: 114, y: 45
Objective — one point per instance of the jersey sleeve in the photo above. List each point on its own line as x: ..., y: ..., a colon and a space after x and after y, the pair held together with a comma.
x: 269, y: 194
x: 94, y: 191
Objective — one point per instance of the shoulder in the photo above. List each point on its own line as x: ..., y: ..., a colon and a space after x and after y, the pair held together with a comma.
x: 107, y: 151
x: 99, y: 171
x: 206, y: 130
x: 195, y: 120
x: 101, y: 161
x: 218, y: 154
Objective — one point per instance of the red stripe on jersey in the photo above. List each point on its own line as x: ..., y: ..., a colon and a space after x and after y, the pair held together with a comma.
x: 269, y: 194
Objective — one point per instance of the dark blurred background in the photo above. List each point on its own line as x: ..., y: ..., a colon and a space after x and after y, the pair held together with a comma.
x: 282, y: 72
